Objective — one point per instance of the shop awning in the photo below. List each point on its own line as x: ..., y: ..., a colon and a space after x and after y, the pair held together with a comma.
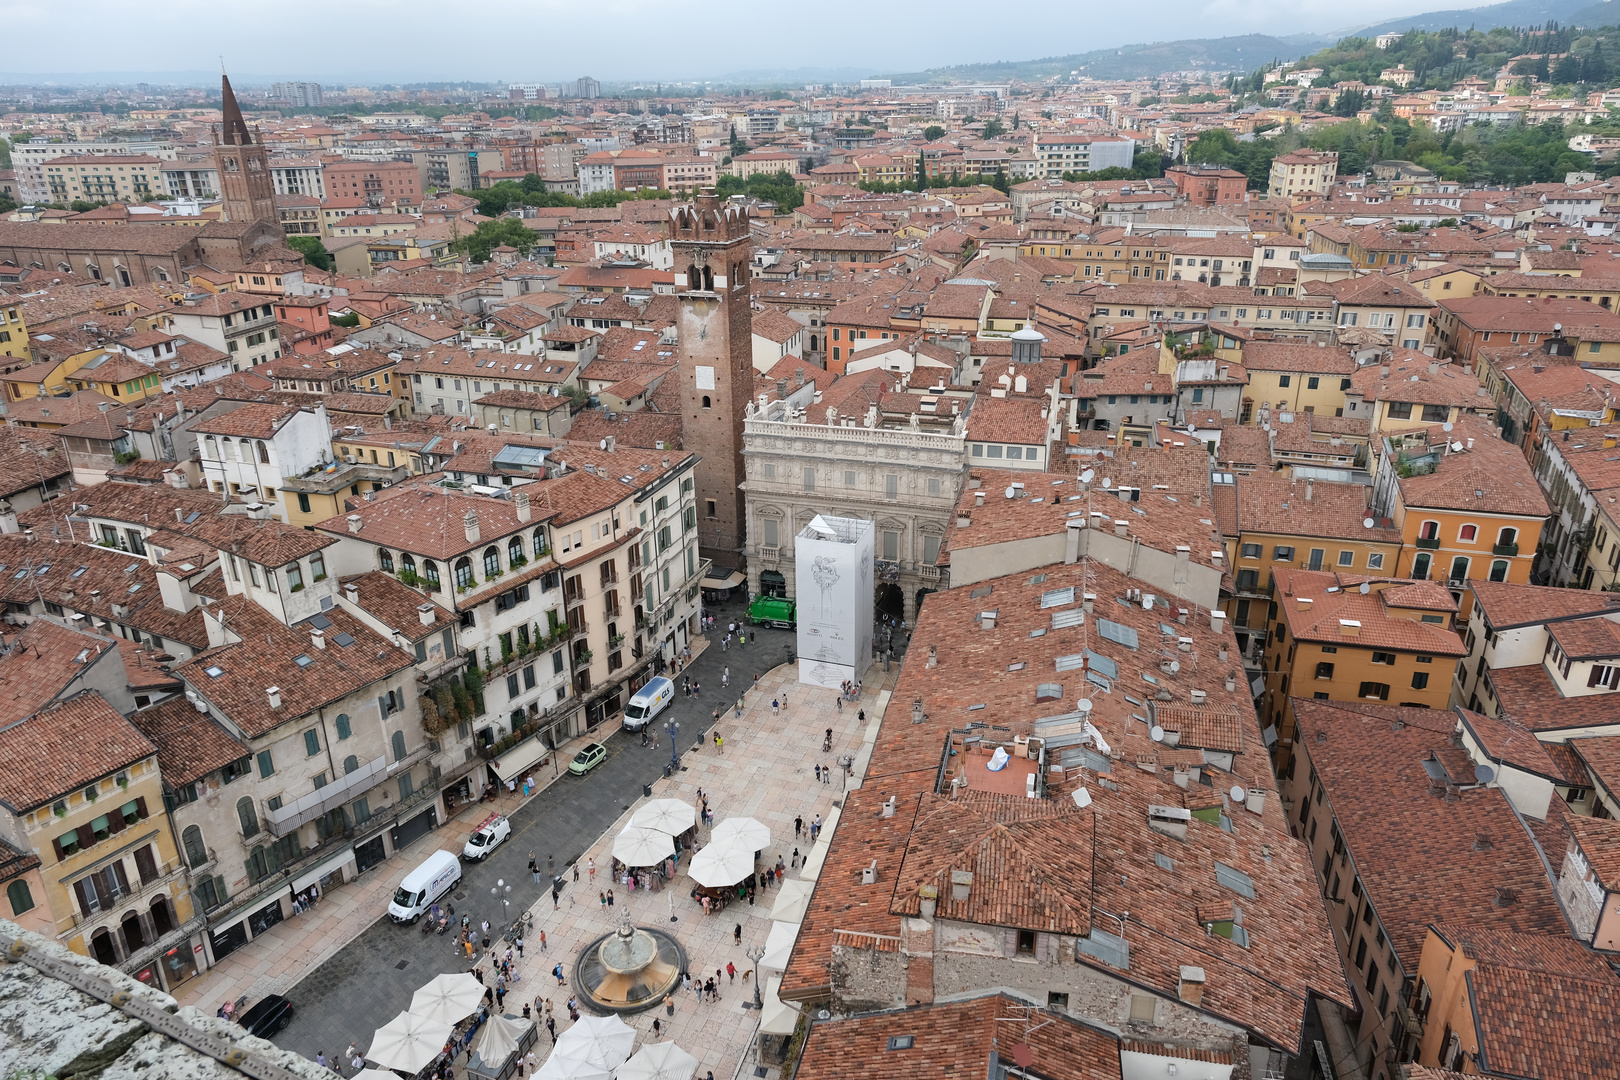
x: 321, y: 869
x: 518, y: 760
x: 726, y: 579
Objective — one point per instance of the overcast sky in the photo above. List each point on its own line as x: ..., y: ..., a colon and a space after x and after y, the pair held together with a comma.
x: 552, y: 40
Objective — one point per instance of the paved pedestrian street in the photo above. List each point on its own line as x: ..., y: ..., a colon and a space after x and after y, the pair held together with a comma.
x: 348, y: 970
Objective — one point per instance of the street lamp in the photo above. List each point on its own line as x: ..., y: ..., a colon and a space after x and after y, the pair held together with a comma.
x: 503, y: 892
x: 673, y: 727
x: 756, y: 953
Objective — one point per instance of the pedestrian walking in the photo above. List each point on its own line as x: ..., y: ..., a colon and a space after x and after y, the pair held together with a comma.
x: 798, y: 825
x: 551, y: 865
x: 591, y: 866
x: 356, y: 1062
x: 519, y: 943
x: 610, y: 898
x: 601, y: 899
x: 742, y: 639
x: 542, y: 941
x: 657, y: 1028
x: 815, y: 827
x: 557, y: 974
x: 528, y: 782
x: 861, y: 716
x: 320, y: 1058
x: 697, y: 688
x: 756, y: 682
x: 776, y: 707
x: 669, y: 1005
x: 353, y: 1052
x: 555, y: 893
x: 818, y: 774
x: 576, y: 872
x: 826, y: 775
x: 533, y: 866
x: 551, y: 1026
x: 719, y: 743
x: 717, y: 716
x: 724, y: 642
x: 484, y: 927
x: 795, y: 860
x: 725, y: 676
x: 838, y: 703
x: 731, y: 971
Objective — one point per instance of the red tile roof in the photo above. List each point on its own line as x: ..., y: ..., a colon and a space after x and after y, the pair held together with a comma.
x: 65, y: 747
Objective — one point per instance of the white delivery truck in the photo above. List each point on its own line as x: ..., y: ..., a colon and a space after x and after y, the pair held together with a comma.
x: 648, y: 702
x: 490, y: 832
x: 436, y: 876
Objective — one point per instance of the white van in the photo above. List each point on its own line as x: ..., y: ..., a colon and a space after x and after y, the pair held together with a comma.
x: 436, y: 876
x: 649, y: 701
x: 490, y: 832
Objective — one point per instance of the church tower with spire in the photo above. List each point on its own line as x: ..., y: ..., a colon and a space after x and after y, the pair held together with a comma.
x: 244, y: 166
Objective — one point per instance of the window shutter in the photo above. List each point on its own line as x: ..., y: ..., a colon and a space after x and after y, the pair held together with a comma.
x: 146, y: 864
x: 1009, y: 943
x: 86, y: 893
x: 1040, y: 947
x: 140, y: 807
x: 1594, y: 676
x: 382, y: 705
x: 87, y: 836
x: 56, y: 845
x: 115, y: 822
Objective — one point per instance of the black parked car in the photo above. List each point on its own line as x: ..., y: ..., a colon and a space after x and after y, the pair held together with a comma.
x: 268, y: 1016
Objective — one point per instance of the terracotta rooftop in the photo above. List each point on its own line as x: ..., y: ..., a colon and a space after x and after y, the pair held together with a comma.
x: 190, y: 745
x: 1491, y: 477
x: 1335, y: 599
x: 65, y: 747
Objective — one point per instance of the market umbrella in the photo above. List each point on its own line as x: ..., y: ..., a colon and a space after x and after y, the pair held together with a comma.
x: 779, y: 946
x: 666, y: 815
x: 719, y: 865
x: 571, y: 1064
x: 449, y: 998
x: 775, y: 1017
x: 659, y: 1061
x: 408, y: 1042
x: 743, y: 832
x: 637, y: 846
x: 500, y: 1038
x: 601, y: 1040
x: 792, y: 900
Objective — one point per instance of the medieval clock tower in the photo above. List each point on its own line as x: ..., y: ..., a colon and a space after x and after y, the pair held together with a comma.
x: 245, y: 183
x: 712, y: 250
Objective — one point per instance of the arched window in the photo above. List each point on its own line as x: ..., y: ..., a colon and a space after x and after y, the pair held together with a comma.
x: 385, y: 559
x: 1499, y: 570
x: 1506, y: 537
x: 227, y: 449
x: 248, y: 816
x: 708, y: 279
x: 706, y: 401
x: 21, y: 898
x: 350, y: 764
x: 492, y: 561
x: 399, y: 745
x: 196, y: 851
x: 694, y: 277
x: 430, y: 571
x: 162, y: 916
x: 539, y: 542
x: 1420, y: 565
x: 264, y: 453
x: 1459, y: 568
x: 514, y: 550
x: 211, y: 449
x: 1429, y: 530
x: 407, y: 565
x: 343, y: 728
x: 464, y: 573
x: 1468, y: 533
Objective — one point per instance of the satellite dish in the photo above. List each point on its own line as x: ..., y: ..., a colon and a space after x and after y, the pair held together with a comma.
x: 1237, y: 793
x: 1175, y: 666
x: 1086, y: 477
x: 1484, y: 773
x: 1011, y: 492
x: 1108, y: 482
x: 1365, y: 588
x: 1023, y: 1055
x: 1447, y: 426
x: 602, y: 445
x: 1084, y: 705
x: 1157, y: 733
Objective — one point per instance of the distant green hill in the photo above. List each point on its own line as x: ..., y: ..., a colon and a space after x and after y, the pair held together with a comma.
x: 1242, y: 53
x: 1513, y: 13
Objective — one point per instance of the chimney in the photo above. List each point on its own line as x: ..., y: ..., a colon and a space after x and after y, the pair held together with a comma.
x: 612, y: 443
x: 520, y: 504
x: 354, y: 521
x: 781, y: 388
x: 928, y: 901
x: 318, y: 638
x: 978, y: 498
x: 1434, y: 367
x: 351, y: 592
x: 1190, y: 988
x: 933, y: 656
x: 1217, y: 621
x: 961, y: 885
x: 988, y: 620
x: 1120, y: 526
x: 469, y: 523
x: 798, y: 377
x: 1310, y: 490
x: 274, y: 694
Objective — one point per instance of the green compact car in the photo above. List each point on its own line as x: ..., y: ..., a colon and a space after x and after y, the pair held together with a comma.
x: 587, y: 759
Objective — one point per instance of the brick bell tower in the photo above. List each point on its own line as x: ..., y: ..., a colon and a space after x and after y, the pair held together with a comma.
x: 713, y: 249
x: 245, y: 184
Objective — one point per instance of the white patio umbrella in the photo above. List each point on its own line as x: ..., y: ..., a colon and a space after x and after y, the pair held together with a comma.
x: 719, y: 865
x: 601, y: 1040
x: 408, y: 1042
x: 499, y: 1039
x: 637, y: 846
x: 449, y: 998
x: 666, y: 815
x: 792, y: 900
x: 571, y: 1064
x: 775, y: 1017
x: 779, y: 947
x: 743, y: 832
x: 659, y: 1061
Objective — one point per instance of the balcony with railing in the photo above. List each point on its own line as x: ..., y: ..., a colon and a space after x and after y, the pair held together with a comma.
x: 1508, y: 550
x: 573, y: 598
x: 110, y: 911
x: 582, y: 659
x: 1427, y: 543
